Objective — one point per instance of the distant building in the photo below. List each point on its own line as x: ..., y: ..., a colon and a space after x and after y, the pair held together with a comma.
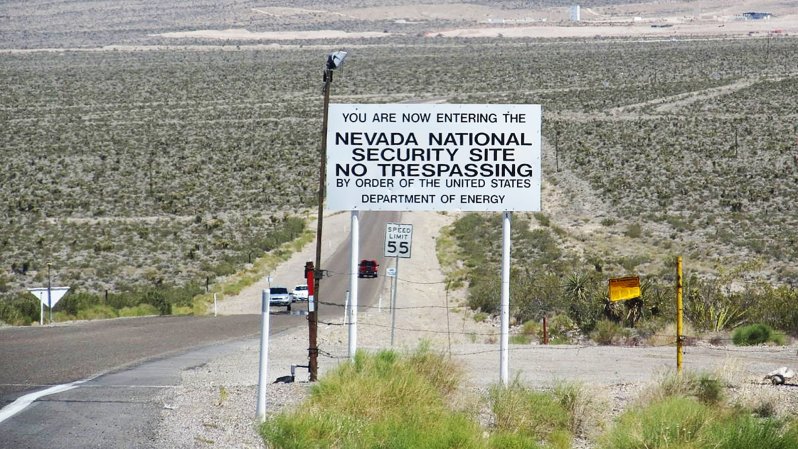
x: 751, y: 15
x: 576, y: 13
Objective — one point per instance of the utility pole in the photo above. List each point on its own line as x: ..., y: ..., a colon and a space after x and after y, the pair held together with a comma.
x: 334, y: 60
x: 313, y: 348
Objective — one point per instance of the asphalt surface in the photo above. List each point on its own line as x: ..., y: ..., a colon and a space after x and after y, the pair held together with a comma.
x: 35, y: 357
x: 123, y: 364
x: 336, y: 282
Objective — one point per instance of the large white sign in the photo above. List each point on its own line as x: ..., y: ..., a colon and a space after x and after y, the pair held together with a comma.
x: 398, y: 240
x: 446, y: 157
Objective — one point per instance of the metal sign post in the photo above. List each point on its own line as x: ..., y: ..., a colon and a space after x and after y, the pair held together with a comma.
x: 355, y: 245
x: 398, y: 242
x: 393, y: 299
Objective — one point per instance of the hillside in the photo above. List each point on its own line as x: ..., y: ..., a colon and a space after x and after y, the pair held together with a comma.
x: 139, y: 149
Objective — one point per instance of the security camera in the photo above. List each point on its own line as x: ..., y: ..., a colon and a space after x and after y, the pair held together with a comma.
x: 335, y: 60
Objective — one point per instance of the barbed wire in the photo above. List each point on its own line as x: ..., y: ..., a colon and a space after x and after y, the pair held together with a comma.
x: 494, y: 333
x: 326, y: 303
x: 523, y: 348
x: 408, y: 281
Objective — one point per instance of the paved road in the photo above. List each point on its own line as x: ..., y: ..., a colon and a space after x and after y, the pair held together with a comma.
x: 128, y: 361
x: 36, y: 357
x: 333, y: 288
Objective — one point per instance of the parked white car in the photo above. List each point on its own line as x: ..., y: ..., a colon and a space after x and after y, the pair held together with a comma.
x: 300, y: 293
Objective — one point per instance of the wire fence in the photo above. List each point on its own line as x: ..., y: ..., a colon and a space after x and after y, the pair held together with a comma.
x: 665, y: 340
x: 656, y: 340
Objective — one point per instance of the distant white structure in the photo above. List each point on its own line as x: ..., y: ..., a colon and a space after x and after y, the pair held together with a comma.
x: 753, y: 15
x: 576, y: 13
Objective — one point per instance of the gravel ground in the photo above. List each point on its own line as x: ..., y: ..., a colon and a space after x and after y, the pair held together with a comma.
x: 215, y: 405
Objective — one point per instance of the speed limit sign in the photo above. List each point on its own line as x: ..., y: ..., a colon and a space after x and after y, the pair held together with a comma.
x: 397, y: 240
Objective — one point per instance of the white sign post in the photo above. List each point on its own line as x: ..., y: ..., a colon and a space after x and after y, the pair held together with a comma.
x: 437, y: 157
x: 398, y: 242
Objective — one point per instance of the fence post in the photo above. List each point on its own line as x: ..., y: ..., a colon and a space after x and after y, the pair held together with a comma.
x: 679, y: 314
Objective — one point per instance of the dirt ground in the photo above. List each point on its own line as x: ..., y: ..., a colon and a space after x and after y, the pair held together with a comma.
x: 615, y: 376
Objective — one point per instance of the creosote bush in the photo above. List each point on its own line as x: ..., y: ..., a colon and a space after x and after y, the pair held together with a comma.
x: 756, y: 334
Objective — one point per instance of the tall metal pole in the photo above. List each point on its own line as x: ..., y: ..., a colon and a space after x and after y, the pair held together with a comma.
x: 679, y: 312
x: 313, y: 315
x: 504, y: 364
x: 393, y: 298
x: 353, y: 284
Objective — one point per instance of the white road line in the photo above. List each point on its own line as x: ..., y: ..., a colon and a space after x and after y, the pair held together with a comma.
x: 24, y: 401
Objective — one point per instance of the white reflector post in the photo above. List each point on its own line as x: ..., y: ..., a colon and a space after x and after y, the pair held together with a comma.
x: 263, y: 369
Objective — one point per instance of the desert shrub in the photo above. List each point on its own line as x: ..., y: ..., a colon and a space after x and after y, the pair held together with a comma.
x: 181, y: 295
x: 140, y: 310
x: 520, y: 339
x: 441, y: 372
x: 484, y: 292
x: 774, y: 307
x: 379, y: 400
x: 670, y: 423
x: 686, y: 422
x: 157, y: 299
x: 542, y: 218
x: 97, y: 312
x: 706, y: 388
x: 124, y: 298
x: 634, y: 230
x: 530, y: 331
x: 741, y: 430
x: 755, y: 334
x: 607, y: 332
x: 506, y: 440
x: 532, y: 328
x: 19, y: 309
x: 586, y: 299
x: 223, y: 268
x: 539, y: 416
x: 561, y: 329
x: 582, y: 405
x: 77, y: 301
x: 714, y: 312
x: 535, y: 295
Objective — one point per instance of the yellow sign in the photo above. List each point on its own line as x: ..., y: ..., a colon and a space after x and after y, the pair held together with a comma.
x: 622, y: 289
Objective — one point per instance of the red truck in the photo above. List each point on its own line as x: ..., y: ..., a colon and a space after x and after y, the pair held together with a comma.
x: 367, y: 268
